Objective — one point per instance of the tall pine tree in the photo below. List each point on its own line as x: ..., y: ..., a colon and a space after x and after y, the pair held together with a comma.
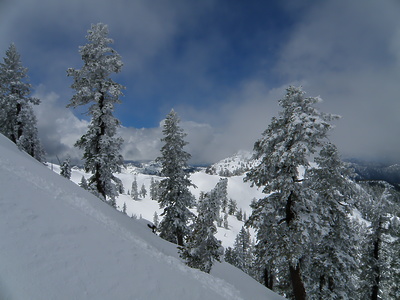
x: 175, y: 197
x: 281, y: 218
x: 65, y: 168
x: 94, y: 87
x: 17, y: 118
x: 202, y: 247
x: 331, y: 263
x: 380, y: 260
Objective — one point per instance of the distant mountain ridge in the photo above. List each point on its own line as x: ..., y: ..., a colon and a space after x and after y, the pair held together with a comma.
x: 374, y: 171
x: 243, y: 161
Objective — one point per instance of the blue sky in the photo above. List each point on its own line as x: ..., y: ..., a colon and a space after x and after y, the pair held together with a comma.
x: 222, y: 65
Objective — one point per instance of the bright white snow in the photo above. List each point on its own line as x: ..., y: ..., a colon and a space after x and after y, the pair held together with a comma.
x: 60, y: 242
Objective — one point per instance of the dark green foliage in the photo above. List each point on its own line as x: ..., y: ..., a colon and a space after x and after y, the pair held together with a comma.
x: 175, y: 197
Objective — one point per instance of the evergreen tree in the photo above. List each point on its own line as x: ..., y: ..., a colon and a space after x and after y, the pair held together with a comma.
x: 380, y: 261
x: 17, y: 118
x: 232, y: 207
x: 281, y: 219
x: 119, y: 186
x: 239, y: 214
x: 230, y: 256
x: 134, y: 191
x: 83, y: 184
x: 226, y: 225
x: 156, y: 219
x: 331, y: 263
x: 175, y: 197
x: 243, y: 251
x: 222, y: 192
x: 154, y: 189
x: 94, y: 87
x: 143, y: 191
x: 202, y: 248
x: 66, y: 168
x: 124, y: 208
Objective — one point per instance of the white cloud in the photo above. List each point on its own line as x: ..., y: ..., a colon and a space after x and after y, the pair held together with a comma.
x: 58, y: 127
x: 347, y: 52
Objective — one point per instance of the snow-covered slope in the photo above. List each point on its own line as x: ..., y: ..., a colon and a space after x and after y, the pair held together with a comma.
x: 235, y: 165
x: 241, y: 192
x: 60, y: 242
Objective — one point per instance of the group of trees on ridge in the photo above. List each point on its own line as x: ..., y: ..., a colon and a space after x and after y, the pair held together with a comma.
x: 319, y: 235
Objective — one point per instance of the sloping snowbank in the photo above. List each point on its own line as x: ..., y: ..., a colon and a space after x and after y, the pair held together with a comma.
x: 60, y: 242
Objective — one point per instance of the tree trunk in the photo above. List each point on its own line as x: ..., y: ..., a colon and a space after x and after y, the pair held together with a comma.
x: 295, y: 274
x: 289, y: 211
x: 99, y: 182
x: 179, y: 237
x: 268, y: 279
x: 299, y: 291
x: 19, y: 124
x: 376, y: 269
x: 321, y: 285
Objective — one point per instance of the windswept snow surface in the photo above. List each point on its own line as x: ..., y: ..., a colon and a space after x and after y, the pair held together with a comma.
x: 57, y: 241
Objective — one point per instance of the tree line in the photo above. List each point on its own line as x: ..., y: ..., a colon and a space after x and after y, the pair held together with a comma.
x: 319, y: 233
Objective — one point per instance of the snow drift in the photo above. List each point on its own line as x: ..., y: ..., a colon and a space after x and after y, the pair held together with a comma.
x: 60, y: 242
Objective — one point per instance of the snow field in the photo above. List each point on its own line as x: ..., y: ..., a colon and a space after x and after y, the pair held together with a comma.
x: 60, y: 242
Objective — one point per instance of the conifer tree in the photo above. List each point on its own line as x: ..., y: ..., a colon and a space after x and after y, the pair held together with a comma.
x: 202, y: 247
x: 175, y: 197
x: 239, y: 214
x: 155, y: 219
x: 230, y: 256
x: 281, y: 218
x: 243, y: 251
x: 17, y: 118
x: 332, y: 261
x: 66, y: 168
x: 83, y: 184
x: 222, y: 192
x: 154, y: 189
x: 95, y: 88
x: 143, y: 191
x: 226, y: 225
x: 134, y: 191
x: 380, y: 261
x: 232, y: 207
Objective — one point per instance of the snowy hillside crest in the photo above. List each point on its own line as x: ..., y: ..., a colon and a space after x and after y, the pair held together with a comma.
x: 235, y: 165
x: 61, y: 242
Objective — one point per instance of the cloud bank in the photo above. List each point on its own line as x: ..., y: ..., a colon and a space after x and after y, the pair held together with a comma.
x: 220, y: 68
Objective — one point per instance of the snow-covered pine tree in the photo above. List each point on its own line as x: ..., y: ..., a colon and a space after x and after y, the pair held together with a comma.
x: 83, y: 184
x: 17, y: 118
x: 155, y: 219
x: 65, y: 168
x: 222, y: 192
x: 134, y: 191
x: 143, y: 191
x: 175, y: 197
x: 243, y: 251
x: 232, y: 207
x: 120, y: 186
x: 380, y: 260
x: 230, y: 256
x: 202, y: 247
x: 239, y: 214
x: 226, y: 225
x: 154, y: 189
x: 94, y: 87
x: 281, y: 219
x: 331, y: 263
